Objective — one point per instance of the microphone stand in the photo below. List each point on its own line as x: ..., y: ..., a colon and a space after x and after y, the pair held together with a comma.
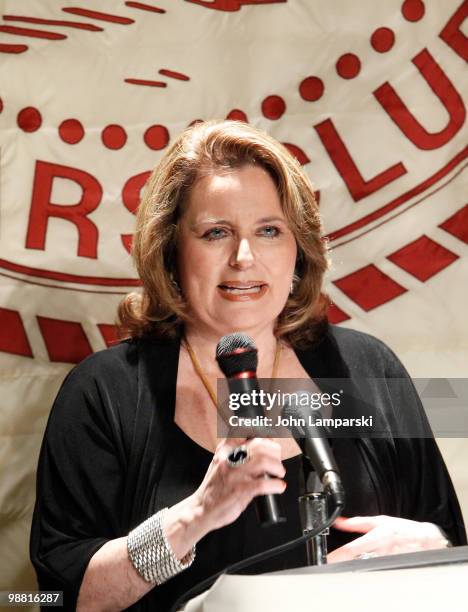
x: 313, y: 508
x: 313, y: 513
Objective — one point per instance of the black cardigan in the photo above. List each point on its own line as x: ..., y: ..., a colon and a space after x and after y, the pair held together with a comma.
x: 106, y: 438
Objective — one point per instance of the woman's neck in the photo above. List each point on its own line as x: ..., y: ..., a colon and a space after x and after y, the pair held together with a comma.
x: 204, y: 345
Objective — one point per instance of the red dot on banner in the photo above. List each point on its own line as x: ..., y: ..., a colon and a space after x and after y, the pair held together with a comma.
x: 273, y: 107
x: 29, y: 119
x: 311, y: 89
x: 114, y: 137
x: 348, y: 66
x: 237, y: 115
x: 156, y: 137
x: 383, y: 39
x: 413, y: 10
x: 71, y: 131
x: 1, y: 105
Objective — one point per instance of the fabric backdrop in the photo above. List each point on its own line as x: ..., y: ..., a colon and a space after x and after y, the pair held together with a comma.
x: 370, y: 97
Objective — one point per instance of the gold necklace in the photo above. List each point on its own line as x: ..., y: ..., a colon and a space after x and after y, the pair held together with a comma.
x: 203, y: 377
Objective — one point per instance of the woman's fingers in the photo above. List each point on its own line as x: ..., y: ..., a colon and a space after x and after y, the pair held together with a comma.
x: 268, y: 486
x: 264, y: 457
x: 265, y: 465
x: 357, y: 524
x: 375, y: 543
x: 232, y: 442
x: 386, y: 535
x: 255, y: 445
x: 227, y: 489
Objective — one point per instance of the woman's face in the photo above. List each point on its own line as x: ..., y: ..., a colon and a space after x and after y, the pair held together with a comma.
x: 236, y: 253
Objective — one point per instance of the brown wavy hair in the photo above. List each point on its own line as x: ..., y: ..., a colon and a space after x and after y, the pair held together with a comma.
x: 201, y: 150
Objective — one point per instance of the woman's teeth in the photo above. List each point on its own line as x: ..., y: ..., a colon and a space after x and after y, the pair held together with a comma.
x: 241, y: 290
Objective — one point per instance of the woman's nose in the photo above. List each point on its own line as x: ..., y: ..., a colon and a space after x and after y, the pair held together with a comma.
x: 243, y: 255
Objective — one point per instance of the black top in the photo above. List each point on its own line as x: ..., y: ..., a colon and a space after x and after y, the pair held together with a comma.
x: 184, y: 467
x: 112, y: 456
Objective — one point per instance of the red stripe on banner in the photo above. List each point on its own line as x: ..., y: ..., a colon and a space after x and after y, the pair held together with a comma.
x: 68, y: 24
x: 427, y: 195
x: 69, y: 278
x: 336, y: 315
x: 98, y: 15
x: 4, y: 48
x: 109, y: 333
x: 65, y: 340
x: 369, y: 287
x: 423, y: 258
x: 13, y: 338
x: 32, y: 33
x: 174, y: 75
x: 347, y: 229
x: 146, y: 82
x: 145, y: 7
x: 52, y: 286
x: 452, y: 33
x: 457, y: 224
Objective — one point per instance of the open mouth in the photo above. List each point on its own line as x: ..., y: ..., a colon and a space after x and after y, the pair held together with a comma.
x: 242, y: 291
x: 247, y: 289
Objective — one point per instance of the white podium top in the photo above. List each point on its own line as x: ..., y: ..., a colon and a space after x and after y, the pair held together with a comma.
x: 425, y: 589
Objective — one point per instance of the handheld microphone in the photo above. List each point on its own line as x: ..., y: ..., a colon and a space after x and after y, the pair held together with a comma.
x: 237, y: 357
x: 312, y: 438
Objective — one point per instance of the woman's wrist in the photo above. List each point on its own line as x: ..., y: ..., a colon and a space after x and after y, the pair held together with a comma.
x: 151, y: 553
x: 184, y: 525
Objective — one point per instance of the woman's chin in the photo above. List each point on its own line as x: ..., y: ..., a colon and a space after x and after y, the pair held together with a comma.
x: 241, y: 322
x: 237, y: 317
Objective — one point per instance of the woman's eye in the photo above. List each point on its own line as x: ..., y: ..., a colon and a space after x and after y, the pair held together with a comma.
x: 214, y: 234
x: 270, y: 231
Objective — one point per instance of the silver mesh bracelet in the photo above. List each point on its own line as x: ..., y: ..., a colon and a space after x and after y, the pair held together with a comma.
x: 151, y: 553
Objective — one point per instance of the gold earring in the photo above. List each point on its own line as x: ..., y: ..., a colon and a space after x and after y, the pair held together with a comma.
x: 174, y: 283
x: 294, y: 281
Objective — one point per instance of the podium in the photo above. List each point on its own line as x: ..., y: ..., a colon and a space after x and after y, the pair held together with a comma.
x: 427, y: 581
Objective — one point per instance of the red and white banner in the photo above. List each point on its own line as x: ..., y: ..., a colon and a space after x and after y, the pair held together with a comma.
x: 370, y: 97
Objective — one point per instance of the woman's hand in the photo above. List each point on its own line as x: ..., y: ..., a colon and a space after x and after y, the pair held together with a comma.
x: 386, y: 535
x: 226, y: 491
x: 112, y: 583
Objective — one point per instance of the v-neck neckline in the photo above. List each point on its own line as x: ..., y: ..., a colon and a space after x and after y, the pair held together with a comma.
x: 321, y: 360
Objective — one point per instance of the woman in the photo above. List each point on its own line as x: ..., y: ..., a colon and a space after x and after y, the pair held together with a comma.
x: 228, y: 238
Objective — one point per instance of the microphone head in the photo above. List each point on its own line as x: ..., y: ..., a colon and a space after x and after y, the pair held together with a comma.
x: 232, y: 342
x: 236, y: 353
